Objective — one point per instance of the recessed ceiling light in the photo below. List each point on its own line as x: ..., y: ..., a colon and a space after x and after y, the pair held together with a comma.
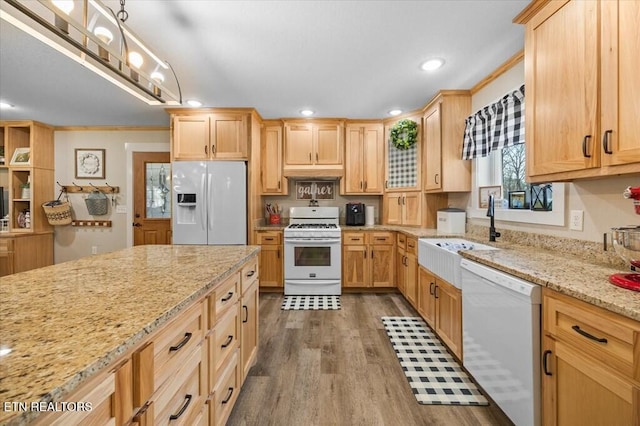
x: 307, y: 112
x: 5, y: 105
x: 194, y: 103
x: 432, y: 64
x: 395, y: 112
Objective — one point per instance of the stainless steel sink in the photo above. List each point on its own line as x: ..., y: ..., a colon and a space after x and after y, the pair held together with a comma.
x: 440, y: 256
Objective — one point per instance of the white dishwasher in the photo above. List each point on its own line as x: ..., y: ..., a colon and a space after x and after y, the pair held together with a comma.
x: 501, y: 339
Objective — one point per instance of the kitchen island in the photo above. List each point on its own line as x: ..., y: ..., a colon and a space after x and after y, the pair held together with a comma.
x: 64, y: 324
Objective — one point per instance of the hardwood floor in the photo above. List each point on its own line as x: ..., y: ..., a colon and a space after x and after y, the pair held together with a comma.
x: 338, y: 368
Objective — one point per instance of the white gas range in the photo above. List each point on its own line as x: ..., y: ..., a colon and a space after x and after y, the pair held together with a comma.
x: 312, y: 252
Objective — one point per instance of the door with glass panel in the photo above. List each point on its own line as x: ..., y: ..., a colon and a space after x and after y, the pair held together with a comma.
x: 151, y: 198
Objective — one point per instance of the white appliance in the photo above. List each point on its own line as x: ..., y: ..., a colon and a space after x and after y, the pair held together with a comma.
x: 209, y: 202
x: 312, y: 252
x: 501, y: 339
x: 451, y: 221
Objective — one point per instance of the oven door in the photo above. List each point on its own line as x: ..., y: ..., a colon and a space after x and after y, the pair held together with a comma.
x: 311, y: 259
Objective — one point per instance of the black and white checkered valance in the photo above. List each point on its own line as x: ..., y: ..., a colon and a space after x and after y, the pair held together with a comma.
x: 495, y: 126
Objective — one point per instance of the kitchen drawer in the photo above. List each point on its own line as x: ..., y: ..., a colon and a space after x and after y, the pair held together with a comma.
x: 412, y: 246
x: 226, y: 392
x: 6, y: 245
x: 353, y: 238
x: 269, y: 238
x: 182, y: 397
x: 603, y: 335
x: 223, y: 297
x: 381, y: 238
x: 249, y: 273
x: 176, y: 342
x: 223, y: 340
x: 401, y: 240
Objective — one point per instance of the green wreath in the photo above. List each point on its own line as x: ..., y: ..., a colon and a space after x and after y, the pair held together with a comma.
x: 404, y: 134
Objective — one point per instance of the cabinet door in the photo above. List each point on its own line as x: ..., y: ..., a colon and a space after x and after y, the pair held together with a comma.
x: 411, y: 279
x: 382, y: 260
x: 562, y: 71
x: 581, y: 391
x: 328, y: 144
x: 412, y: 208
x: 393, y: 208
x: 433, y: 151
x: 426, y: 296
x: 191, y: 137
x: 620, y: 67
x: 373, y: 153
x: 271, y: 266
x: 271, y: 160
x: 449, y: 316
x: 354, y: 264
x: 298, y: 144
x: 353, y: 174
x: 229, y: 136
x: 400, y: 270
x: 249, y: 331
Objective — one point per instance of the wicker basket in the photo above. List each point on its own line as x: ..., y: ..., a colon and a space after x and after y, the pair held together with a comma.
x: 58, y: 212
x: 97, y: 203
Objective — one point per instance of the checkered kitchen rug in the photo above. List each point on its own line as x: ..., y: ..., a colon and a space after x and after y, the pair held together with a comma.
x: 310, y: 303
x: 433, y: 374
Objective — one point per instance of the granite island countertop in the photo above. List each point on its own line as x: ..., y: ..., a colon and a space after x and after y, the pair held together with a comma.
x: 65, y: 323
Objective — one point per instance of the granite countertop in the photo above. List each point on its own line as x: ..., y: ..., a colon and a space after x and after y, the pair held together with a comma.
x: 64, y: 323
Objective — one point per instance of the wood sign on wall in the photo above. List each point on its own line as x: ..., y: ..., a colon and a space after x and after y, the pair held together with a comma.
x: 315, y: 190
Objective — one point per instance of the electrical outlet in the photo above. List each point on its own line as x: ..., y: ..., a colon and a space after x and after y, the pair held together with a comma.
x: 121, y: 209
x: 94, y: 249
x: 576, y: 220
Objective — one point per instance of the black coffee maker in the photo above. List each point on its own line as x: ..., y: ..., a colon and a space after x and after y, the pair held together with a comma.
x: 355, y: 214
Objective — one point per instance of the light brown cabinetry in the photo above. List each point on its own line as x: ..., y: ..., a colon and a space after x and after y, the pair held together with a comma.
x: 440, y: 304
x: 368, y: 259
x: 271, y: 258
x: 364, y: 159
x: 271, y: 156
x: 591, y: 364
x: 585, y: 125
x: 314, y: 149
x: 201, y: 135
x: 403, y: 208
x: 23, y: 252
x: 407, y: 267
x: 249, y: 317
x: 443, y: 122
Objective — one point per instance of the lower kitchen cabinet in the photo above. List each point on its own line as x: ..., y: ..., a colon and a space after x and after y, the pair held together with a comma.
x: 407, y: 267
x: 249, y: 318
x: 440, y: 304
x: 25, y: 251
x: 271, y: 258
x: 591, y: 364
x: 367, y: 259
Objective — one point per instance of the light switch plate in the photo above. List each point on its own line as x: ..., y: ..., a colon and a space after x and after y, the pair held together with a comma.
x: 121, y: 209
x: 576, y: 219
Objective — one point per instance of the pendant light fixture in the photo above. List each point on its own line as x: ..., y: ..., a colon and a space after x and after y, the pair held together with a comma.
x: 96, y: 37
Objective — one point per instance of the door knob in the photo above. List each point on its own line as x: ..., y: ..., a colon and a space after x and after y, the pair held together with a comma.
x: 136, y: 224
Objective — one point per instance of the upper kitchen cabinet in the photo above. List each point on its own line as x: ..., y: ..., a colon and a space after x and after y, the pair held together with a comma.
x: 443, y: 121
x: 272, y: 181
x: 581, y: 77
x: 313, y: 148
x: 204, y: 135
x: 402, y: 166
x: 364, y: 158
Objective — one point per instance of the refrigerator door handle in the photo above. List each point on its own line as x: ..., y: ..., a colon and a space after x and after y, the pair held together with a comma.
x: 202, y: 210
x: 209, y: 201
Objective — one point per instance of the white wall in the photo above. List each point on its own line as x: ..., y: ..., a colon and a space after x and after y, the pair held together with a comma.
x: 600, y: 199
x: 75, y: 242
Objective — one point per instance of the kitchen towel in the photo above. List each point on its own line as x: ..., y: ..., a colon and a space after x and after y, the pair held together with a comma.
x: 369, y: 215
x: 433, y: 374
x: 298, y: 303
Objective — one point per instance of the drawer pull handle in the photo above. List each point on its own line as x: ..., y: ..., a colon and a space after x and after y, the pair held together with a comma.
x: 381, y: 238
x: 269, y: 239
x: 227, y: 297
x: 224, y: 401
x: 187, y: 401
x: 251, y: 273
x: 228, y: 342
x: 545, y: 356
x: 246, y: 314
x: 587, y: 335
x: 187, y: 337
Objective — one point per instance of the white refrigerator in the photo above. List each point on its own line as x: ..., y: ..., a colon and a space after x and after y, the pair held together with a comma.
x: 209, y: 202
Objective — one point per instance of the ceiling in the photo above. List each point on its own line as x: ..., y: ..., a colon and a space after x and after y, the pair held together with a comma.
x: 353, y: 59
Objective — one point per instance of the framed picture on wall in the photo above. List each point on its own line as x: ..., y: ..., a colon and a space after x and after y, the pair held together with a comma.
x: 518, y: 200
x: 90, y: 163
x: 485, y: 191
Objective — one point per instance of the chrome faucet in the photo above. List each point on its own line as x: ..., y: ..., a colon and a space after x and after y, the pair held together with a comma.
x: 492, y: 228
